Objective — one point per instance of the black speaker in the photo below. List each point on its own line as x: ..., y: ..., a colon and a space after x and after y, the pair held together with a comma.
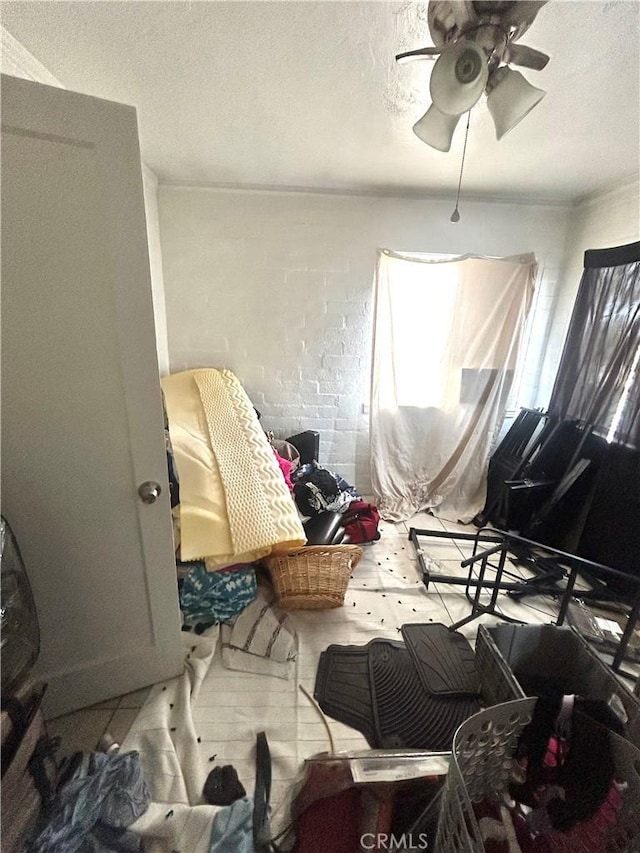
x: 307, y: 444
x: 611, y: 534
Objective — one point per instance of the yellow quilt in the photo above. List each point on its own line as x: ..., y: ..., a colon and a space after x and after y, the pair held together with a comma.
x: 235, y: 506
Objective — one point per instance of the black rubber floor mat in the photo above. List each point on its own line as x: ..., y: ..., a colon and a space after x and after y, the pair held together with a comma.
x: 405, y: 714
x: 342, y: 688
x: 444, y: 660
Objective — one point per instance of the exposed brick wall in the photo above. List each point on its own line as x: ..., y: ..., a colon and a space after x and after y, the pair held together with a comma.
x: 278, y: 288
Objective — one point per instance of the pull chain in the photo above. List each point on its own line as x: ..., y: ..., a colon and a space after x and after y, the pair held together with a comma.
x: 455, y: 216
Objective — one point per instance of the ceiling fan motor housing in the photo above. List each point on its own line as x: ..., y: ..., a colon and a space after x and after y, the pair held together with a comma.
x: 468, y: 66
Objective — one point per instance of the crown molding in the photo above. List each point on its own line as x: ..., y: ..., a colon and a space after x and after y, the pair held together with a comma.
x: 18, y: 62
x: 612, y: 193
x: 391, y: 192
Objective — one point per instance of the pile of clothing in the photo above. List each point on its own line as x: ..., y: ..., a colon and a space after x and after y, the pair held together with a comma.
x: 335, y: 511
x: 208, y: 598
x: 564, y: 793
x: 98, y: 796
x: 316, y: 489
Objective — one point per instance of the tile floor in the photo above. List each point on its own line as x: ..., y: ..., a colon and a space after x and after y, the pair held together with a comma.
x: 81, y: 730
x: 445, y: 603
x: 448, y: 554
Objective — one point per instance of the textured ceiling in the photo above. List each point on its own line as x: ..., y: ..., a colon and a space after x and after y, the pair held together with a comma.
x: 308, y: 95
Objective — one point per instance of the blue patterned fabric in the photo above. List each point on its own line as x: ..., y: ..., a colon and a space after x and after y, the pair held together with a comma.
x: 233, y: 828
x: 210, y: 597
x: 106, y: 794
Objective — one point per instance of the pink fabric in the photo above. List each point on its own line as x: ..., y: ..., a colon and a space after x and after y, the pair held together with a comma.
x: 286, y: 467
x: 232, y: 568
x: 587, y: 835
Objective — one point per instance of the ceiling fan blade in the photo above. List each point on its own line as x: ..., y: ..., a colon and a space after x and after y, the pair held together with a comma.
x: 459, y: 77
x: 422, y: 53
x: 522, y: 12
x: 448, y: 17
x: 527, y: 57
x: 463, y: 13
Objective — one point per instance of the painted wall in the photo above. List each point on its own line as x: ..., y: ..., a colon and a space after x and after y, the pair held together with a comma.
x: 608, y: 219
x: 278, y: 288
x: 150, y: 190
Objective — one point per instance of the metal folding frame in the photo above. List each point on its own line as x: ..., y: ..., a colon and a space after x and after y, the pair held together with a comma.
x: 502, y: 543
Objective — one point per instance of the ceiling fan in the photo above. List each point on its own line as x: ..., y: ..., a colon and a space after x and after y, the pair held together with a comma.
x: 475, y: 45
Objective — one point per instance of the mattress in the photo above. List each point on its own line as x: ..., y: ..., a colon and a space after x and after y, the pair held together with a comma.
x: 235, y: 506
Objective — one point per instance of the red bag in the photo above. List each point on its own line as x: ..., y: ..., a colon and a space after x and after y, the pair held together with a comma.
x: 360, y: 522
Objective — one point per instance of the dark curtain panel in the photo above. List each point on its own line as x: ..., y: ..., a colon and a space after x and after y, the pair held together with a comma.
x: 598, y: 379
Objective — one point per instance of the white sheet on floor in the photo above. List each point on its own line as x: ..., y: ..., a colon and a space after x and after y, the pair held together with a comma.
x: 164, y: 735
x: 225, y: 709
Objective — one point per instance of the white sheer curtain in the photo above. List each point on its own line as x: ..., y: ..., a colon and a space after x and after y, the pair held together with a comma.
x: 446, y: 338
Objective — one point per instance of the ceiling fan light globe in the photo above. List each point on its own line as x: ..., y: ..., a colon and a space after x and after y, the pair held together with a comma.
x: 458, y: 77
x: 511, y: 99
x: 436, y: 128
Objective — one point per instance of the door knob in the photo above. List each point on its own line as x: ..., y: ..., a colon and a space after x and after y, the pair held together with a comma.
x: 149, y: 491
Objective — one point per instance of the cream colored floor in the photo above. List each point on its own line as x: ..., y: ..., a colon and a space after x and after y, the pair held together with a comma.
x: 446, y: 603
x: 81, y: 730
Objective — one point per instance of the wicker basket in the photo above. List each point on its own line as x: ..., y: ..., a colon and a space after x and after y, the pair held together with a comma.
x: 314, y: 577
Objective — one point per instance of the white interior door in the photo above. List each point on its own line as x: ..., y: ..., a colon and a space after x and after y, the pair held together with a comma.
x: 82, y: 423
